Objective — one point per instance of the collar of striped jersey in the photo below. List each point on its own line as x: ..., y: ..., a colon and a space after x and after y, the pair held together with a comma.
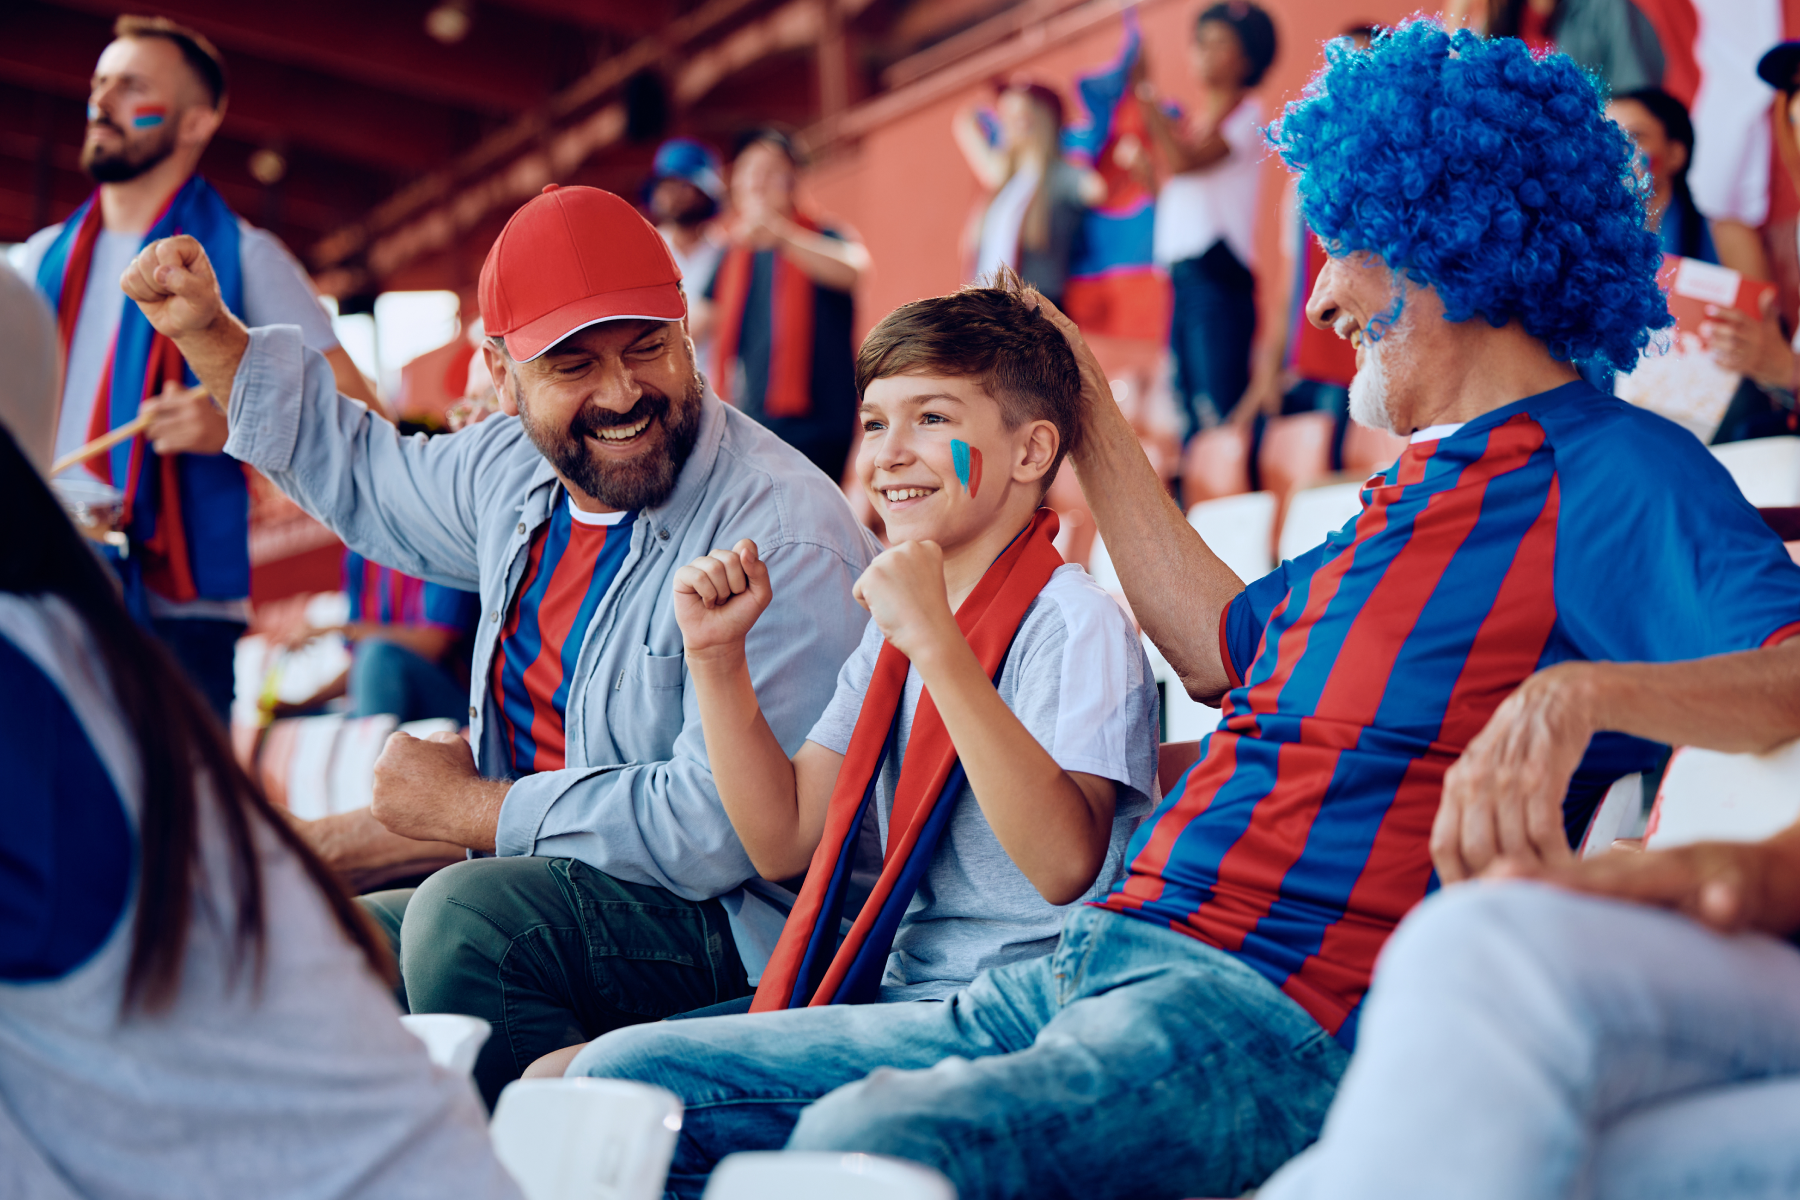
x: 805, y: 968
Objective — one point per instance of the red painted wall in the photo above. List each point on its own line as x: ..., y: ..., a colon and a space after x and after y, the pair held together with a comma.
x: 906, y: 190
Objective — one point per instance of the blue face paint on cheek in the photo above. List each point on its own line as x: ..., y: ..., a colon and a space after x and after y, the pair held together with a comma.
x: 93, y: 112
x: 967, y: 460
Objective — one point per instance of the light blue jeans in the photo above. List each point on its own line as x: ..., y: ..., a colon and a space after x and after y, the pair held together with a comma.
x: 1522, y: 1042
x: 1132, y: 1062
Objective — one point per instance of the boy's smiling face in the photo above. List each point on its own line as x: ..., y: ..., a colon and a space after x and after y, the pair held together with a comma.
x: 908, y: 459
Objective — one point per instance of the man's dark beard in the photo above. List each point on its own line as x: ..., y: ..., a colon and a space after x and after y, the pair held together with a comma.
x: 118, y: 166
x: 627, y: 486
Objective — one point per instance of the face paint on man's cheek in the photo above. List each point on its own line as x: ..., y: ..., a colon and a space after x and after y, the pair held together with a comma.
x: 149, y: 116
x: 94, y: 113
x: 968, y: 465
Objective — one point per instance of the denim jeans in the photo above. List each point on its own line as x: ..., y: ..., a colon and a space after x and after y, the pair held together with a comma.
x: 386, y: 677
x: 1132, y: 1061
x: 1526, y: 1042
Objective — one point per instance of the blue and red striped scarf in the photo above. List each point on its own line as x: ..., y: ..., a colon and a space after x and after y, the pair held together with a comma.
x: 188, y: 517
x: 791, y: 299
x: 807, y: 967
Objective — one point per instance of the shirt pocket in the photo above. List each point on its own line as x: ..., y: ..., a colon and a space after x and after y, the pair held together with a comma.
x: 661, y: 672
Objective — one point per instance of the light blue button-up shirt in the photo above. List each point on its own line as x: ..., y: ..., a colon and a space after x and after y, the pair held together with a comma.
x: 637, y: 798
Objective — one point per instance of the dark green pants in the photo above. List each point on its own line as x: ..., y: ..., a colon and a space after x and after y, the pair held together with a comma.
x: 552, y: 952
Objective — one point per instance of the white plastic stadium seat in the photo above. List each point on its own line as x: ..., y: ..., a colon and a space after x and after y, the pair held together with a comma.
x: 1707, y: 796
x: 586, y: 1139
x: 1616, y: 817
x: 1315, y: 513
x: 782, y: 1175
x: 1766, y: 470
x: 1240, y: 530
x: 451, y: 1039
x: 1185, y: 719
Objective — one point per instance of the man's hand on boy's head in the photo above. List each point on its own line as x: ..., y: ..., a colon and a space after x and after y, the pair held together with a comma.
x: 719, y: 597
x: 1094, y: 385
x: 903, y: 589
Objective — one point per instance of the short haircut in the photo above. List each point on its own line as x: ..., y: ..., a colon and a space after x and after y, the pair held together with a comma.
x: 1255, y: 33
x: 201, y: 56
x: 995, y: 335
x: 1469, y: 166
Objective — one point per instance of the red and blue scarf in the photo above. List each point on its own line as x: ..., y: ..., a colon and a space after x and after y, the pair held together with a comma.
x: 808, y: 967
x: 792, y: 302
x: 187, y: 518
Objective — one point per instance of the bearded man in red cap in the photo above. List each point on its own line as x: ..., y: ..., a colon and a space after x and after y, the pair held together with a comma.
x: 618, y: 892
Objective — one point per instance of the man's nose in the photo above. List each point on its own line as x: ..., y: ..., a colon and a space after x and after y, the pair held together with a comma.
x: 617, y: 386
x: 1322, y: 307
x: 101, y: 96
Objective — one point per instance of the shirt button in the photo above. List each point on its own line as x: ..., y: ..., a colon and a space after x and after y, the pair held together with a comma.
x: 521, y: 527
x: 471, y: 712
x: 663, y: 534
x: 495, y: 616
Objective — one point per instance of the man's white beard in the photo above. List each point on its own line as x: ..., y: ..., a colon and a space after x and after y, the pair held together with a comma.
x: 1369, y: 390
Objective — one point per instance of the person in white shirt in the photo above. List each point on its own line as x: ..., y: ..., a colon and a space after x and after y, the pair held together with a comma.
x: 1033, y: 218
x: 157, y: 97
x: 1206, y: 209
x: 190, y: 1006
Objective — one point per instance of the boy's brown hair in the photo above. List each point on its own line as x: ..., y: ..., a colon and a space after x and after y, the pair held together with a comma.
x: 995, y: 335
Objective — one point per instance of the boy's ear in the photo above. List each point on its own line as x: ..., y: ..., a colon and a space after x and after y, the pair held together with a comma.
x: 1038, y: 444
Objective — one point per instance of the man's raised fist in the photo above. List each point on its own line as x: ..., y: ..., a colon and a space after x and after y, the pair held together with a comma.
x: 173, y: 283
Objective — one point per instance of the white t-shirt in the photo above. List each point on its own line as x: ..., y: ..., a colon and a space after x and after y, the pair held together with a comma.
x: 1078, y: 679
x: 306, y: 1088
x: 1004, y: 218
x: 1216, y: 203
x: 276, y: 292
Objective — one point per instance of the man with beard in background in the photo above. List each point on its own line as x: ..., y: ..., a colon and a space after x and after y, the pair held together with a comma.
x: 157, y: 97
x: 618, y: 892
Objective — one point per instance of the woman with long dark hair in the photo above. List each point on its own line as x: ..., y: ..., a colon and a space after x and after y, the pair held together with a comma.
x: 1664, y: 133
x: 190, y: 1005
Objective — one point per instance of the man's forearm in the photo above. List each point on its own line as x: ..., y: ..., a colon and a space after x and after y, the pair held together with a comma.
x: 827, y: 261
x: 214, y: 354
x: 1177, y: 586
x: 1746, y: 703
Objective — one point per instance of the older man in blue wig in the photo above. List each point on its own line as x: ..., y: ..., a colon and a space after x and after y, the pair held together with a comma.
x: 1434, y: 686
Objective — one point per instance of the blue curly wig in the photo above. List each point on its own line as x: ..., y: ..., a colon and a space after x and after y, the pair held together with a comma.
x: 1494, y: 178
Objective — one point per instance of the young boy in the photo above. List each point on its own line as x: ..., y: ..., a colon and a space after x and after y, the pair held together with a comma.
x: 969, y: 402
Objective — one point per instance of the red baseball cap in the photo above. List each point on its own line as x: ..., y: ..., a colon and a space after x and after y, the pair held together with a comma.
x: 573, y: 257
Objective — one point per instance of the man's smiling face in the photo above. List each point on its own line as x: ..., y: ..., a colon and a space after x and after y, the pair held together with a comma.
x: 615, y: 408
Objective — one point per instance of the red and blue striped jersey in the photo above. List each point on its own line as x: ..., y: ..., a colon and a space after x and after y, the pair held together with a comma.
x: 571, y: 566
x: 1566, y: 526
x: 383, y: 596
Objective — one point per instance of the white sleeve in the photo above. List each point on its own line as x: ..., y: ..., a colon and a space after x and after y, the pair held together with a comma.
x: 277, y: 290
x: 835, y: 725
x: 1242, y: 131
x: 29, y: 254
x: 1098, y: 716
